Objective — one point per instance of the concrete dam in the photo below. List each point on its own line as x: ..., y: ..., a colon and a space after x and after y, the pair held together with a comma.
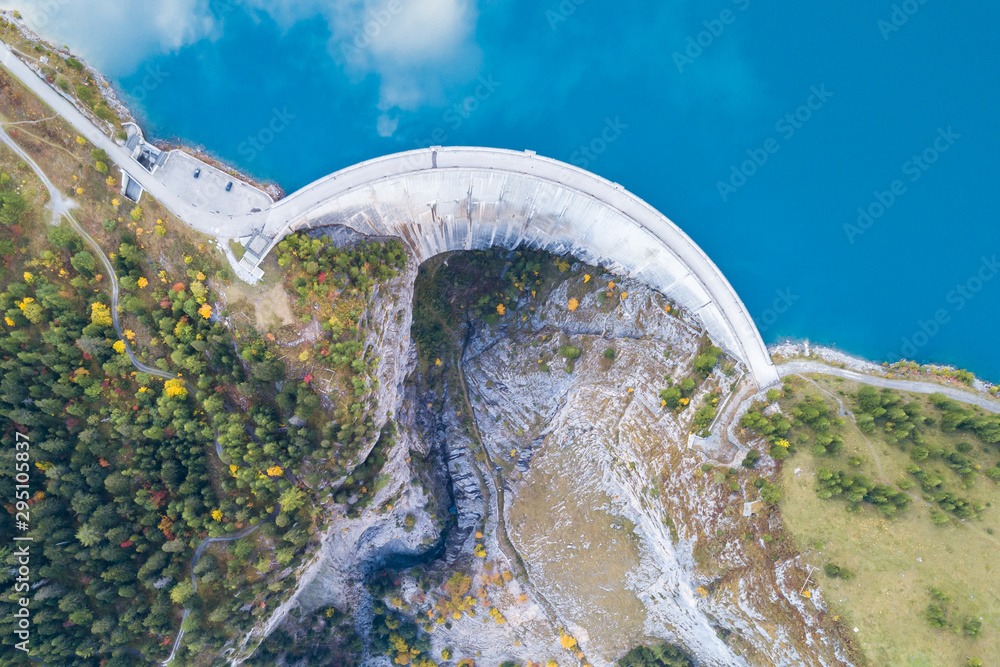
x: 443, y: 199
x: 436, y: 200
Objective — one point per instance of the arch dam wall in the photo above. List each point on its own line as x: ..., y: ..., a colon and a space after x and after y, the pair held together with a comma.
x: 443, y: 199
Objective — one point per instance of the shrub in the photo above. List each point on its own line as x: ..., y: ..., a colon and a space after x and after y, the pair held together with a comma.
x: 705, y: 362
x: 570, y: 352
x: 936, y: 616
x: 703, y: 418
x: 671, y: 397
x: 609, y: 353
x: 972, y: 627
x: 769, y: 493
x: 664, y: 655
x: 750, y: 460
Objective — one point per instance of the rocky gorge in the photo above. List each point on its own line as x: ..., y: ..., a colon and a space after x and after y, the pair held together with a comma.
x: 536, y: 457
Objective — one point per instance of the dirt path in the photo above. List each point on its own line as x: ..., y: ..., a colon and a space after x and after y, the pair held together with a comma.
x: 844, y: 412
x: 62, y: 207
x: 878, y: 464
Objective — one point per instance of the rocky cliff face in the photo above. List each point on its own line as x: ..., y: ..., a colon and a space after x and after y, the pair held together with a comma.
x: 580, y: 506
x: 621, y: 527
x: 349, y: 547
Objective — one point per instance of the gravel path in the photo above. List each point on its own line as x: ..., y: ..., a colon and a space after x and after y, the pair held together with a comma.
x: 915, y: 386
x: 62, y: 207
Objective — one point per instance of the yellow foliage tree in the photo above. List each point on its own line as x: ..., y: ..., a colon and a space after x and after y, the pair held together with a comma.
x: 274, y: 471
x: 567, y: 641
x: 573, y: 305
x: 100, y: 314
x: 205, y: 311
x: 119, y: 346
x: 175, y: 387
x: 501, y: 310
x: 142, y: 282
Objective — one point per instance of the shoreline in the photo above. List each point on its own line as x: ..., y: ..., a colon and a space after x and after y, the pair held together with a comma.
x: 943, y: 374
x: 113, y: 95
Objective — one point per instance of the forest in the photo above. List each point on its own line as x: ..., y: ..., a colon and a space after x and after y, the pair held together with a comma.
x: 124, y: 480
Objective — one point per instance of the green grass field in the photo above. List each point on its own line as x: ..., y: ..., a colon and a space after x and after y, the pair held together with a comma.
x: 897, y: 561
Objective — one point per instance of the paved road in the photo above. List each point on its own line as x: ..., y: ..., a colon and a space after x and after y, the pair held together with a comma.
x: 915, y: 386
x: 202, y: 220
x: 62, y: 207
x: 464, y: 198
x: 194, y: 562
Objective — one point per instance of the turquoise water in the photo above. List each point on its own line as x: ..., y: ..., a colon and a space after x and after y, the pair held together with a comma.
x: 897, y: 120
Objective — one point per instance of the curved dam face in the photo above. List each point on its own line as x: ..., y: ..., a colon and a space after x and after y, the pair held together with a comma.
x: 443, y: 199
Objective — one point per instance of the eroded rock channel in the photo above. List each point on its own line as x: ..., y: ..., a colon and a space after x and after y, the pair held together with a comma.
x: 540, y: 498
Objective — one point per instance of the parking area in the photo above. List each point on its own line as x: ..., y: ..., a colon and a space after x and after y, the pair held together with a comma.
x: 208, y: 190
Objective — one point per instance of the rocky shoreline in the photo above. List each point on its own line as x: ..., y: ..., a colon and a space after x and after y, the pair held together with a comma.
x: 112, y: 96
x: 909, y: 370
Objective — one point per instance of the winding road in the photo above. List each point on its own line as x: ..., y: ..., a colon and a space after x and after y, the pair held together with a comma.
x: 62, y: 208
x: 520, y: 198
x: 915, y: 386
